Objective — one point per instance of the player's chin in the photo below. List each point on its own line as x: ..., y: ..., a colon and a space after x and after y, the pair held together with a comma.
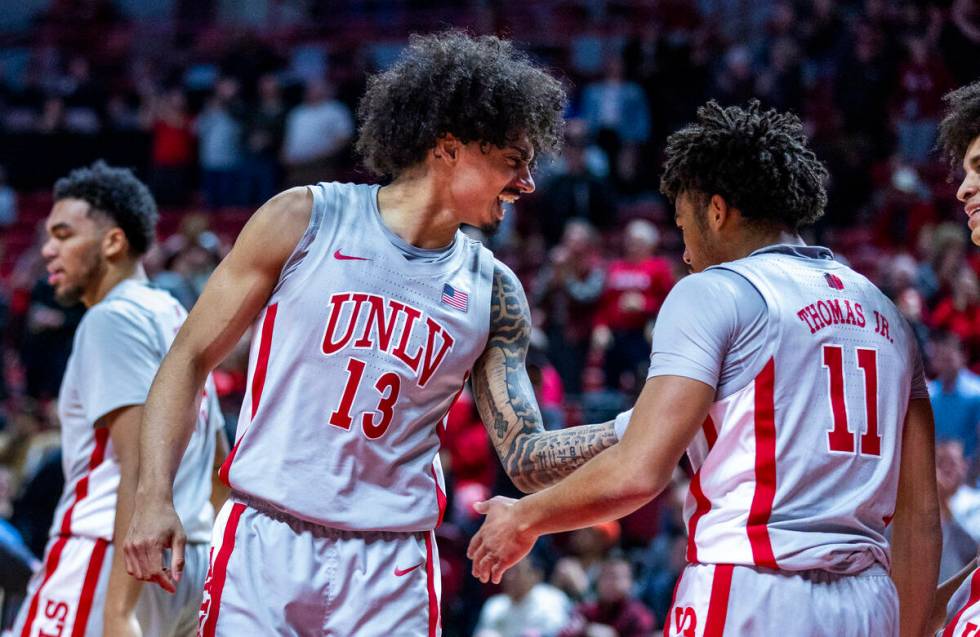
x: 975, y: 236
x: 491, y: 228
x: 67, y: 295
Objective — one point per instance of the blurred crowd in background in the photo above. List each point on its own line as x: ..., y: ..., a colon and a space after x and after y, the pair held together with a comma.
x: 218, y: 117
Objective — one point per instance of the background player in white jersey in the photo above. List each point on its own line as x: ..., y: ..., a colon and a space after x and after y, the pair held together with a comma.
x: 371, y: 310
x: 798, y: 392
x: 958, y: 599
x: 102, y: 222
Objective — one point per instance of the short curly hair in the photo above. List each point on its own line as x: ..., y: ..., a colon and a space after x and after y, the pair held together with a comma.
x: 756, y: 159
x: 479, y: 89
x: 117, y: 194
x: 960, y: 124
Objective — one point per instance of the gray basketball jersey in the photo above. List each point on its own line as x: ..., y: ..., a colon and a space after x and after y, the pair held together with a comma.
x: 799, y: 469
x: 355, y: 362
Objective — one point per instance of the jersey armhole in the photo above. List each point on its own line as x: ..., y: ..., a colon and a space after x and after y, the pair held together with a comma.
x: 302, y: 249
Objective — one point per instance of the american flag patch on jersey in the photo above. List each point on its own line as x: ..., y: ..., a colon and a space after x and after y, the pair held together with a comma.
x: 834, y: 281
x: 455, y: 298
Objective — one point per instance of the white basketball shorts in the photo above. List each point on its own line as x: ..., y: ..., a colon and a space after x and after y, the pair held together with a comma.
x: 272, y: 574
x: 963, y: 610
x: 66, y: 596
x: 716, y: 600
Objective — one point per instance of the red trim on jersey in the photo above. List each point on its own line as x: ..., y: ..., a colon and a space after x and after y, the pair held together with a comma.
x: 765, y: 468
x: 974, y: 598
x: 721, y: 586
x: 258, y: 382
x: 440, y: 497
x: 430, y: 583
x: 81, y: 488
x: 702, y: 503
x: 441, y: 433
x: 673, y: 601
x: 50, y: 565
x: 90, y: 583
x: 220, y: 566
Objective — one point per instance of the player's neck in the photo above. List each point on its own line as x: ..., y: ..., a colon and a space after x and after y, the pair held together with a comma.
x: 113, y: 276
x: 411, y: 208
x: 749, y: 242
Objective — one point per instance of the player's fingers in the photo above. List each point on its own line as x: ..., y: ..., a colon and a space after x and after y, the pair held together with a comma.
x: 496, y: 572
x: 482, y: 507
x: 177, y: 561
x: 475, y: 545
x: 165, y: 581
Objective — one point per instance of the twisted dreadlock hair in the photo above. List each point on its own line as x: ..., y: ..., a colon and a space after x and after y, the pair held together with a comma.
x: 756, y: 159
x: 476, y: 88
x: 961, y: 123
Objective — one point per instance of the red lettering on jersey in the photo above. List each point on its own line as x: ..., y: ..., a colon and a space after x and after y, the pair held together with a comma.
x: 836, y: 314
x: 825, y: 314
x: 861, y: 322
x: 337, y: 302
x: 431, y: 364
x: 376, y: 320
x: 815, y: 316
x: 849, y: 319
x: 401, y: 352
x: 971, y: 630
x: 806, y: 319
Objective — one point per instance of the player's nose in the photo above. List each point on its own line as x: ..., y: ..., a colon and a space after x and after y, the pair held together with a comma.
x: 525, y: 181
x: 969, y: 187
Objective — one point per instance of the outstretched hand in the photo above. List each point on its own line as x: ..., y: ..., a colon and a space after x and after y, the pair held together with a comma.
x: 500, y: 543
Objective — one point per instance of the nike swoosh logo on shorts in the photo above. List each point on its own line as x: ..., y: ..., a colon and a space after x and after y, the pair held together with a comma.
x: 399, y: 571
x: 344, y: 257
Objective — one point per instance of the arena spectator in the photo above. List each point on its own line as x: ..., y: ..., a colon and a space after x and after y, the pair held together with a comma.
x: 955, y: 392
x: 219, y: 133
x: 615, y: 611
x: 635, y: 287
x: 317, y: 132
x: 959, y: 547
x: 526, y: 607
x: 173, y: 147
x: 264, y: 126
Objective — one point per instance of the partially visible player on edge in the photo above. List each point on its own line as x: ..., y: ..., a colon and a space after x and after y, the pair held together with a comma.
x: 797, y: 390
x: 958, y: 599
x: 102, y: 222
x: 371, y: 309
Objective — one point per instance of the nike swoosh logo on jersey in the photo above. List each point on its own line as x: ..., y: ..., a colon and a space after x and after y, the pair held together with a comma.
x: 344, y: 257
x: 399, y: 572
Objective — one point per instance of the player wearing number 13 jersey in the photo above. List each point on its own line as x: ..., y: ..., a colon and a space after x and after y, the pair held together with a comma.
x: 796, y: 389
x: 371, y: 309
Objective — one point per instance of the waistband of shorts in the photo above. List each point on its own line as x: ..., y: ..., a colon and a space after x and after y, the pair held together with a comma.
x: 821, y: 575
x: 316, y: 528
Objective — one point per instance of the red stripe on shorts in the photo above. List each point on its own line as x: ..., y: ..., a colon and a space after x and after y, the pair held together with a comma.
x: 90, y: 583
x: 430, y: 583
x: 673, y: 601
x: 974, y: 598
x: 721, y: 586
x: 50, y: 565
x: 702, y: 503
x: 216, y: 582
x: 81, y: 488
x: 765, y: 468
x: 258, y: 383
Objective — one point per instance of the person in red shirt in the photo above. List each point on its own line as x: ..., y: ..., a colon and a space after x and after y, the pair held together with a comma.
x: 615, y: 611
x: 635, y: 288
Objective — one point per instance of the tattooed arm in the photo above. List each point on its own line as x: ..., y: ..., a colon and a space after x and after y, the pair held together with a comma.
x: 533, y: 458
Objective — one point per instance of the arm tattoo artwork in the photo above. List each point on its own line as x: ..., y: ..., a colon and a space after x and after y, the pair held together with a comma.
x: 533, y: 458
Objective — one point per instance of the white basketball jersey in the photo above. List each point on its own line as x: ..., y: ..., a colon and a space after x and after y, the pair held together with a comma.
x: 116, y: 352
x: 355, y: 362
x: 799, y: 470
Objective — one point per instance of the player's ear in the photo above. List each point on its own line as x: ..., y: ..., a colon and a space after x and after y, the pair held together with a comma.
x: 447, y: 148
x: 719, y: 212
x: 115, y: 243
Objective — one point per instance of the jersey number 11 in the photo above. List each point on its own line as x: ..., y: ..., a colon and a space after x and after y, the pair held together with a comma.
x: 841, y: 438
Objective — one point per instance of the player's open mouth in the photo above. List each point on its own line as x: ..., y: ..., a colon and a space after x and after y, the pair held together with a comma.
x: 973, y: 212
x: 509, y: 196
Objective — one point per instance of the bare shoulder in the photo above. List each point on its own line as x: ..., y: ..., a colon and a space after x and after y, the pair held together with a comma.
x: 272, y: 233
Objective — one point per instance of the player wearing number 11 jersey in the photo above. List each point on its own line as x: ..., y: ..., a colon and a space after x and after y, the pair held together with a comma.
x: 371, y: 309
x: 796, y: 389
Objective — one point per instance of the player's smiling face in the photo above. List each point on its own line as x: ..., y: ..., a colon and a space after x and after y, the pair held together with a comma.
x: 487, y: 177
x: 969, y: 190
x: 73, y: 251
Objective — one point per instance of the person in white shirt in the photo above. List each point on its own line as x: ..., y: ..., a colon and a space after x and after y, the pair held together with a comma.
x: 527, y: 606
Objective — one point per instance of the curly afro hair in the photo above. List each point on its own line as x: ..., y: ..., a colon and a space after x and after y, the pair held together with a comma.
x: 117, y: 194
x: 757, y: 160
x: 961, y: 123
x: 476, y: 88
